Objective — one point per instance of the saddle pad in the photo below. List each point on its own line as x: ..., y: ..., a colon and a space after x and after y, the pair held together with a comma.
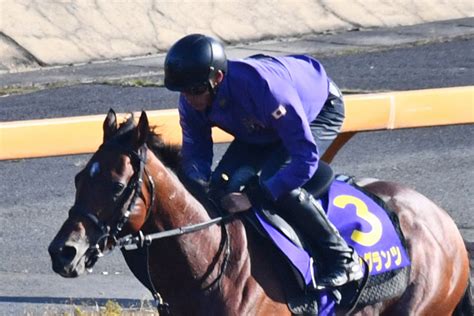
x: 366, y: 227
x: 384, y: 286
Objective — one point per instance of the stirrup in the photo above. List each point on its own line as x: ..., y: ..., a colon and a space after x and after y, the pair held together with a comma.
x: 355, y: 272
x: 333, y: 282
x: 350, y: 273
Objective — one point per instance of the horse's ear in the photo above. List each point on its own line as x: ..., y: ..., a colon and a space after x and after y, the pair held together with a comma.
x: 110, y: 125
x: 142, y: 130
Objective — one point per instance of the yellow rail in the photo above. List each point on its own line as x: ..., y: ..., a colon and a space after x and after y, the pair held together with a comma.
x: 392, y: 110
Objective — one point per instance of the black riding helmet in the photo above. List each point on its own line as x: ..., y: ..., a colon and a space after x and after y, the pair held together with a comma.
x: 192, y: 61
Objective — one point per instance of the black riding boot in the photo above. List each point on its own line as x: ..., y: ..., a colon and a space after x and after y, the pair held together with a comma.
x: 341, y: 262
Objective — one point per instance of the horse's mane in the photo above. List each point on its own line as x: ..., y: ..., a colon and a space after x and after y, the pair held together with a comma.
x: 169, y: 154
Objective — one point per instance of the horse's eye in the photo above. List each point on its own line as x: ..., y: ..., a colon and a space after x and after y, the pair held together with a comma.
x: 118, y: 188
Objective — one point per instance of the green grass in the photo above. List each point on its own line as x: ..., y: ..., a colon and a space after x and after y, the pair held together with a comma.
x: 136, y: 82
x: 18, y: 90
x: 111, y: 308
x: 140, y: 83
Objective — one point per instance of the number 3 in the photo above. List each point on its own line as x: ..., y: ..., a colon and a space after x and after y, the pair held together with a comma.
x: 365, y: 239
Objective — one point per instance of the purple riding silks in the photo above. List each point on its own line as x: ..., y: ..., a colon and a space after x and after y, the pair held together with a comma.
x: 362, y: 223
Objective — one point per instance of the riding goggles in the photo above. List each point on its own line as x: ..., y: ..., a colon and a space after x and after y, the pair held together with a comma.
x: 197, y: 90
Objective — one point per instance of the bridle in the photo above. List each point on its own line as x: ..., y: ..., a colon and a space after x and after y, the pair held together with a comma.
x: 109, y: 232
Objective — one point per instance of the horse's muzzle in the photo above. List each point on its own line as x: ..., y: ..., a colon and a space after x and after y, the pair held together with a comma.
x: 67, y: 259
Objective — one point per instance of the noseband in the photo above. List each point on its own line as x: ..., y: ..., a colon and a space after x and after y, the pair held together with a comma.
x: 130, y: 195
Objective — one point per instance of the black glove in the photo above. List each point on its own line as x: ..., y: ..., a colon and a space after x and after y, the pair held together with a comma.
x: 258, y: 194
x: 218, y: 188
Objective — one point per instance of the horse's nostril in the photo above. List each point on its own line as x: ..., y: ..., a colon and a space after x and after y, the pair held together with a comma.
x: 68, y: 253
x: 62, y: 255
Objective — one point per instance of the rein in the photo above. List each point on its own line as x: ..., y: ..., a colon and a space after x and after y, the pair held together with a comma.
x: 130, y: 242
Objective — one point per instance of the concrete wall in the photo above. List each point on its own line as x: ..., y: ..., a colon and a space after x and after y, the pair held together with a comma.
x: 49, y: 32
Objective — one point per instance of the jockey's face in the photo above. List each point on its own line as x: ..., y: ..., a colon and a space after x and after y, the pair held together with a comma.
x: 199, y: 102
x: 200, y: 98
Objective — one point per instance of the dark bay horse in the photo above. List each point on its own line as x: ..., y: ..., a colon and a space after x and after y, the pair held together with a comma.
x: 129, y: 186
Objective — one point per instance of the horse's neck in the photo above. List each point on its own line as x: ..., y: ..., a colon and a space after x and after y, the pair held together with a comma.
x: 176, y: 207
x: 189, y: 266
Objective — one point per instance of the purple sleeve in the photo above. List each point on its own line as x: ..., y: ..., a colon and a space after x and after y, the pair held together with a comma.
x: 291, y: 124
x: 197, y: 142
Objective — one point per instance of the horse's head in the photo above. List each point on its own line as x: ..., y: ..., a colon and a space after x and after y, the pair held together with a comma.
x: 114, y: 196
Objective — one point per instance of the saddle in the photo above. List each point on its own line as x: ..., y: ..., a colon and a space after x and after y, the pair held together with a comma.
x: 366, y: 224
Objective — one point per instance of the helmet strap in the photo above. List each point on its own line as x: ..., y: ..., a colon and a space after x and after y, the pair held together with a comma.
x: 213, y: 88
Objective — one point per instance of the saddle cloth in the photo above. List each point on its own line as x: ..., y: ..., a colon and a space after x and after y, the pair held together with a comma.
x: 362, y: 222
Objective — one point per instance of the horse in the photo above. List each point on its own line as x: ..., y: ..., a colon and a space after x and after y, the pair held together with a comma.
x: 130, y: 187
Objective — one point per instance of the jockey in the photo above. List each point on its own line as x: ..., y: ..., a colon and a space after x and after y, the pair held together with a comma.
x: 283, y: 112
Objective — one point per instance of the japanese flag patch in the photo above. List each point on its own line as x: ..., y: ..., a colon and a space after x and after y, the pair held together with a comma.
x: 279, y: 112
